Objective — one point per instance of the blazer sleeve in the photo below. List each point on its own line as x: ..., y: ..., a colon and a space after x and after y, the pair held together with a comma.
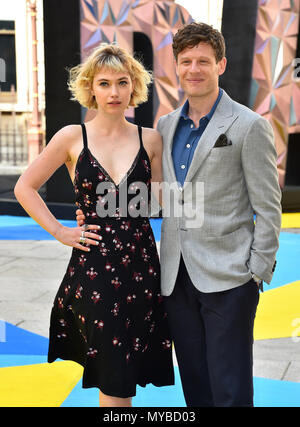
x: 259, y: 161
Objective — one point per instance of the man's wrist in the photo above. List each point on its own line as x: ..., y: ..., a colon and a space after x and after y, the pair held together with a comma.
x: 256, y: 278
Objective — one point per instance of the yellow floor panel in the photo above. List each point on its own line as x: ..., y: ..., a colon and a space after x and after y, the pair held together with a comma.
x: 278, y: 313
x: 290, y: 220
x: 40, y: 385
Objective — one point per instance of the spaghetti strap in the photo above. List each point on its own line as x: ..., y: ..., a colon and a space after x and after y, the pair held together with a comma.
x: 140, y: 135
x: 84, y: 135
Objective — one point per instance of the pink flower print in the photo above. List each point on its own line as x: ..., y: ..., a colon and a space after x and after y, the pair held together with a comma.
x: 166, y: 344
x: 148, y: 315
x: 86, y: 200
x: 130, y: 298
x: 145, y: 348
x: 87, y: 184
x: 137, y: 276
x: 115, y: 310
x: 125, y: 225
x: 67, y: 289
x: 152, y: 241
x: 145, y: 256
x: 62, y: 322
x: 146, y: 226
x: 116, y: 282
x: 63, y: 335
x: 116, y: 342
x: 91, y: 273
x: 151, y: 271
x: 91, y: 215
x: 101, y: 176
x: 137, y: 234
x: 136, y: 344
x: 82, y: 260
x: 118, y: 243
x: 60, y: 303
x: 131, y: 247
x: 152, y: 326
x: 127, y: 357
x: 109, y: 267
x: 146, y: 165
x: 108, y: 228
x: 99, y: 324
x: 78, y: 293
x: 96, y: 297
x: 82, y: 318
x: 148, y: 293
x: 92, y: 352
x: 125, y: 260
x: 160, y: 298
x: 71, y: 271
x: 127, y: 323
x: 104, y: 251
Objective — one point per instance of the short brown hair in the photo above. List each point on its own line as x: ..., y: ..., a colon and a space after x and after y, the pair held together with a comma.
x: 113, y: 58
x: 192, y: 34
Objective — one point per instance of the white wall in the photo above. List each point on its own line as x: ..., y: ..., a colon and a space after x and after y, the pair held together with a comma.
x: 15, y: 10
x: 208, y: 11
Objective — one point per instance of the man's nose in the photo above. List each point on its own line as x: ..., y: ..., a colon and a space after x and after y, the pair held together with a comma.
x: 194, y: 67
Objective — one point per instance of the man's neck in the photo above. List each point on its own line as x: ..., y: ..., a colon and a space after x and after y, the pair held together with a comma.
x: 200, y: 106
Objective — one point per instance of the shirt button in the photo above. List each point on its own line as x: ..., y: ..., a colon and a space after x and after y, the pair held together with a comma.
x: 192, y: 126
x: 188, y: 145
x: 182, y: 166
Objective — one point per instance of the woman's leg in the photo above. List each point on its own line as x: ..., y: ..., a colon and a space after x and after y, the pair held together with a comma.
x: 114, y: 402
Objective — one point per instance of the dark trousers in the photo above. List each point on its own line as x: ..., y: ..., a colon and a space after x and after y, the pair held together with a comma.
x: 213, y: 339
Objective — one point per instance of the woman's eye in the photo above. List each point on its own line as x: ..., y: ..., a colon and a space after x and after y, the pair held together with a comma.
x: 123, y: 83
x: 103, y: 84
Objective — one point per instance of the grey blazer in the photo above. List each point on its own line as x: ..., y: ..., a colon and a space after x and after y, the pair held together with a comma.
x: 239, y: 178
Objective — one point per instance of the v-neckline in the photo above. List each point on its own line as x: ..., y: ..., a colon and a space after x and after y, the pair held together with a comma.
x: 108, y: 176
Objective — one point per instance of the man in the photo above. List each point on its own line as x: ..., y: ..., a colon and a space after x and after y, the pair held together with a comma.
x: 211, y: 270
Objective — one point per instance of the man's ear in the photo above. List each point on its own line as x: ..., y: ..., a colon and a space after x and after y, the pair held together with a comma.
x: 222, y: 66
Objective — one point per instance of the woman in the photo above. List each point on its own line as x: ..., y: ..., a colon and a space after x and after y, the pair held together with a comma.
x: 108, y: 314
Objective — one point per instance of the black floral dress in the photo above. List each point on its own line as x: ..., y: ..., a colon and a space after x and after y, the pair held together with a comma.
x: 108, y: 314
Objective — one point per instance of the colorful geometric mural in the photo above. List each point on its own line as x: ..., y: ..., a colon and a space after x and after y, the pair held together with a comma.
x: 117, y: 20
x: 275, y: 92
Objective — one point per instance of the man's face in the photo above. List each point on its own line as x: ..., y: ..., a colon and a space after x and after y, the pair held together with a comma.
x: 198, y: 70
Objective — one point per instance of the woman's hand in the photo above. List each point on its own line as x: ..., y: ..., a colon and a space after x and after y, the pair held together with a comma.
x: 80, y: 217
x: 73, y: 236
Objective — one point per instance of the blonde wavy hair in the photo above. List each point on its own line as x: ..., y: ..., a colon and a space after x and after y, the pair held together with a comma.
x: 116, y: 59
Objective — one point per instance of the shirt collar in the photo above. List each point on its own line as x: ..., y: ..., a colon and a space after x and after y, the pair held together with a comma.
x: 185, y: 108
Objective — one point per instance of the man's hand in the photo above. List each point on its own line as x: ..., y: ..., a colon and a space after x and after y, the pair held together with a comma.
x: 80, y: 217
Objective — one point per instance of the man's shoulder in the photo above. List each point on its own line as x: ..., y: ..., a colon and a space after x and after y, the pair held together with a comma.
x: 170, y: 116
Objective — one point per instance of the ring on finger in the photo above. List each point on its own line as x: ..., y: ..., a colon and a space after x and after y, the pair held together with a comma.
x: 82, y: 234
x: 85, y: 227
x: 82, y: 240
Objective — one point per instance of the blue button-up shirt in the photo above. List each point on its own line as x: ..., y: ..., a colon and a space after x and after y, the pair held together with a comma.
x: 186, y: 139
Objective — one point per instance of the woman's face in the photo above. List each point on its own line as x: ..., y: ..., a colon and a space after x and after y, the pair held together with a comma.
x: 112, y: 90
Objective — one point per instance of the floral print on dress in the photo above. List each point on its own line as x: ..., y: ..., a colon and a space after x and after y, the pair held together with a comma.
x: 108, y: 314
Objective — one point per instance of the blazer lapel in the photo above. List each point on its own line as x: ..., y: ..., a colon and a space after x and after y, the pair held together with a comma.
x: 221, y: 120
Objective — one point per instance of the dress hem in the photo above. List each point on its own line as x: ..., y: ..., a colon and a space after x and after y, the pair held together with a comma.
x: 111, y: 393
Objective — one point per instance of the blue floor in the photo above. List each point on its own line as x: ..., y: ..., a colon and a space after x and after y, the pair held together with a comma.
x: 25, y: 348
x: 19, y: 347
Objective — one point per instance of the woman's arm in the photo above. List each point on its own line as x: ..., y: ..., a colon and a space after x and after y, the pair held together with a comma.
x: 154, y: 146
x: 55, y: 154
